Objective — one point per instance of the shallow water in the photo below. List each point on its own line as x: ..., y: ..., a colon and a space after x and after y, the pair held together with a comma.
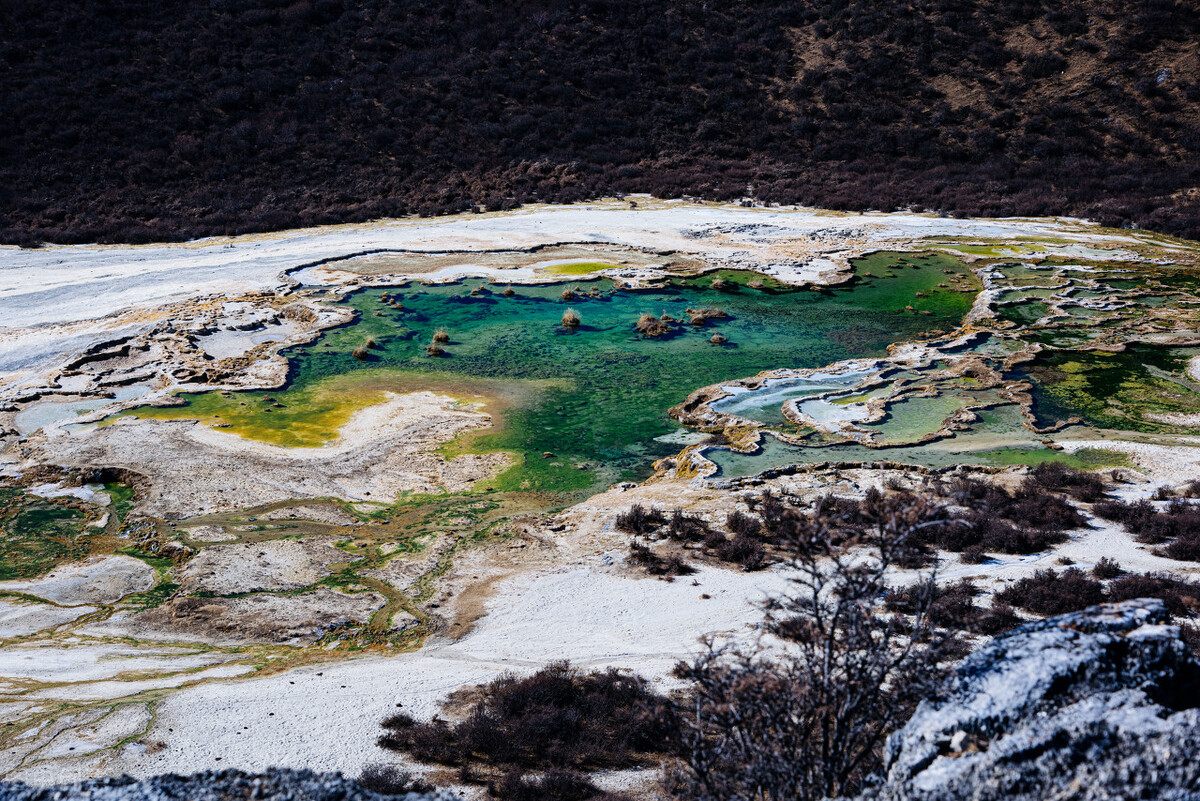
x: 1130, y: 390
x: 997, y: 431
x: 910, y: 419
x: 595, y: 397
x: 765, y: 404
x: 226, y: 344
x: 49, y: 411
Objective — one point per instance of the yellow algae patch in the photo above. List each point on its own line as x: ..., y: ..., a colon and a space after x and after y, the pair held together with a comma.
x: 311, y: 416
x: 579, y: 267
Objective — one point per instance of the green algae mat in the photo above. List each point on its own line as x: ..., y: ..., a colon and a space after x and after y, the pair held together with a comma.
x: 581, y: 407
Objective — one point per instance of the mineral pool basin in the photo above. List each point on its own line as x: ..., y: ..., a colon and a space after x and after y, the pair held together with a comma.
x: 996, y: 438
x: 765, y: 404
x: 595, y: 396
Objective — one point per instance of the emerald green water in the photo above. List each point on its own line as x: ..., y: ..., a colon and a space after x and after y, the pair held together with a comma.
x: 594, y: 397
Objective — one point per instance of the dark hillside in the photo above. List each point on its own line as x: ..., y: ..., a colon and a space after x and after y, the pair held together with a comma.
x: 131, y: 120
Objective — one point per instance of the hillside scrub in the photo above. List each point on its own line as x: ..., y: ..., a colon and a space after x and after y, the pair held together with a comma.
x: 174, y: 120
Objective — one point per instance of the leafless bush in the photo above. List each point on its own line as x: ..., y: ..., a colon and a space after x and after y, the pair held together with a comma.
x: 953, y: 607
x: 1190, y: 633
x: 555, y: 718
x: 1181, y: 596
x: 1178, y: 526
x: 1079, y: 484
x: 1107, y: 568
x: 553, y: 785
x: 686, y: 528
x: 995, y: 520
x: 974, y: 554
x: 741, y: 550
x: 668, y: 567
x: 391, y: 780
x: 810, y: 723
x: 640, y: 520
x: 1049, y: 593
x: 738, y: 522
x: 1185, y: 547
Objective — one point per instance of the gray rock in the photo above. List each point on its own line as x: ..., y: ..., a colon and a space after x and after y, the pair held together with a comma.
x: 1099, y: 704
x: 273, y: 785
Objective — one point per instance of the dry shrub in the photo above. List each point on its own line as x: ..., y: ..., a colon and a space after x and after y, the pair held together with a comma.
x: 1181, y: 596
x: 640, y: 520
x: 738, y: 522
x: 687, y: 528
x: 1079, y: 484
x: 1107, y: 568
x: 667, y: 567
x: 1049, y: 593
x: 650, y: 326
x: 741, y: 550
x: 1178, y: 526
x: 1185, y: 547
x: 1190, y: 634
x: 809, y: 722
x: 556, y: 718
x: 1029, y: 521
x: 953, y: 607
x: 553, y: 785
x: 391, y: 780
x: 974, y: 554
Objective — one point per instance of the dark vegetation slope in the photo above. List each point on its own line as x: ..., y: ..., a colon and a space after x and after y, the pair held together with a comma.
x: 136, y: 119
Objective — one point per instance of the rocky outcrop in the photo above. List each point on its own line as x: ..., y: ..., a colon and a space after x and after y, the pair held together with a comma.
x: 273, y: 785
x: 1099, y: 704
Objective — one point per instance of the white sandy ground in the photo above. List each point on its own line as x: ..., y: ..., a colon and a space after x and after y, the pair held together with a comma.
x: 19, y: 618
x: 591, y: 615
x: 588, y: 609
x: 79, y: 662
x: 98, y: 580
x: 250, y: 567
